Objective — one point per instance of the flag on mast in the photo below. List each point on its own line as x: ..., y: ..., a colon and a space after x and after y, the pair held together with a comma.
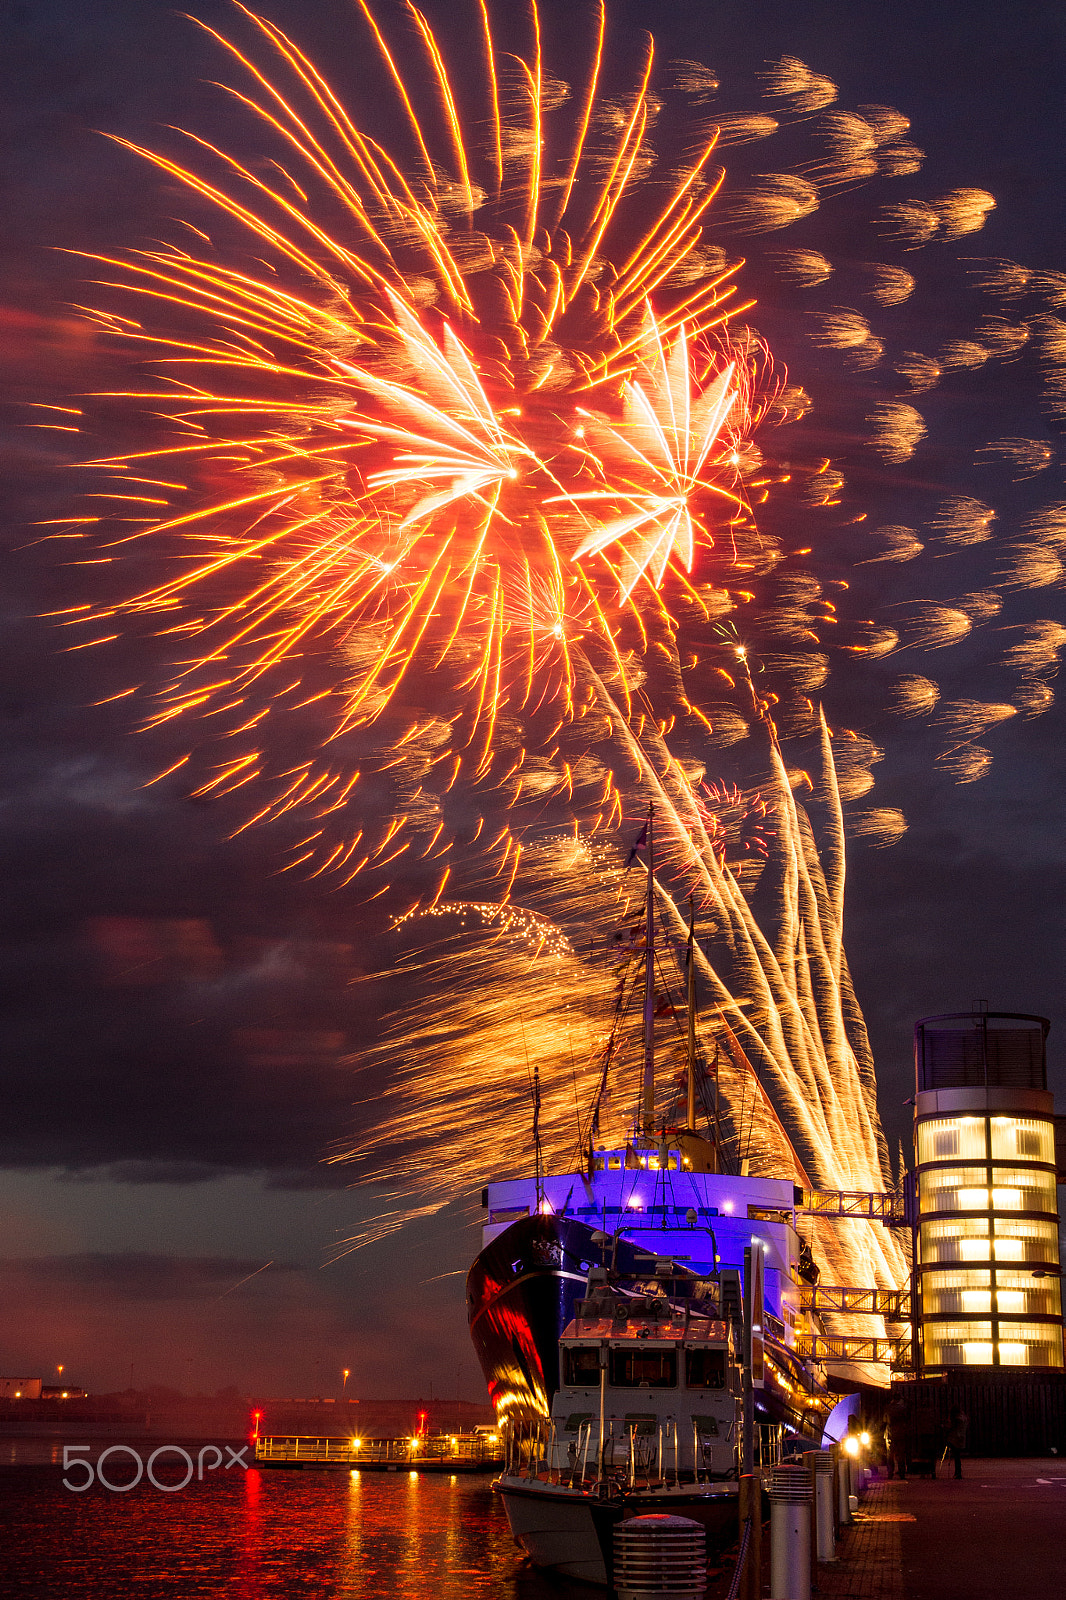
x: 639, y: 841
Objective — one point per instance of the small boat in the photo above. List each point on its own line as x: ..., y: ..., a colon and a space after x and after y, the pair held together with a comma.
x: 646, y: 1419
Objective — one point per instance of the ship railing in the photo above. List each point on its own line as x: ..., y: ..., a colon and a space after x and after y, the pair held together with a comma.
x: 641, y: 1450
x: 769, y: 1439
x: 572, y: 1459
x: 644, y: 1454
x: 666, y: 1450
x: 577, y: 1450
x: 532, y: 1450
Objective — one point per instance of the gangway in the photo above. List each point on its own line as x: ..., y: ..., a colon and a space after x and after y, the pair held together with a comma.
x: 868, y: 1206
x: 853, y: 1347
x: 892, y: 1304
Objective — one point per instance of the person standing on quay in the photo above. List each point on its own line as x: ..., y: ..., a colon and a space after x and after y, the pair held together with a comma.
x: 956, y: 1436
x: 899, y: 1436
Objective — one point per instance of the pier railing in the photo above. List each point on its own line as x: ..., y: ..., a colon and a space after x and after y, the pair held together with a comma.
x: 432, y: 1450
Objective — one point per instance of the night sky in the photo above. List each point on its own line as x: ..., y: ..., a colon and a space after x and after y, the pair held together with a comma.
x: 180, y: 1022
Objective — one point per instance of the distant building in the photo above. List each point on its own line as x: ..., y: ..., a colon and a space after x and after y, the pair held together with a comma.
x: 20, y: 1388
x: 987, y: 1271
x: 55, y: 1391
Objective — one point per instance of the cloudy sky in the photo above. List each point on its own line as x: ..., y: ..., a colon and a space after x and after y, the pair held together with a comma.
x: 179, y: 1018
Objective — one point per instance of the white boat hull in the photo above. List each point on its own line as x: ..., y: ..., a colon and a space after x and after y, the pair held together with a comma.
x: 571, y: 1530
x: 555, y: 1528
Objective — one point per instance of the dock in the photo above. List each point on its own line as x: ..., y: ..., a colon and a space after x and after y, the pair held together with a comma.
x: 995, y: 1534
x: 444, y: 1452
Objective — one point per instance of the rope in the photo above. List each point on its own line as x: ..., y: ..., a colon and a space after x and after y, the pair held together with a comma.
x: 742, y: 1556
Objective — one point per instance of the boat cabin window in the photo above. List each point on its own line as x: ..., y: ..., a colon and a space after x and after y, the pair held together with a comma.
x: 705, y: 1369
x: 638, y: 1368
x: 582, y: 1365
x: 706, y: 1425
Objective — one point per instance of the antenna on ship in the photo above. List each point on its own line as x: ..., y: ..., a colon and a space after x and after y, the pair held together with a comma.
x: 690, y: 1106
x: 648, y: 1120
x: 689, y: 1150
x: 538, y: 1184
x: 534, y: 1090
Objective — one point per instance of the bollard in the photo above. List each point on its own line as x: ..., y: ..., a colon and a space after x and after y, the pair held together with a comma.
x: 660, y: 1555
x: 790, y: 1534
x: 825, y: 1541
x: 812, y: 1539
x: 843, y: 1487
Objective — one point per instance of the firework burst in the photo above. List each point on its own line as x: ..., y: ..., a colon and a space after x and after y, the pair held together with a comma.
x: 453, y: 434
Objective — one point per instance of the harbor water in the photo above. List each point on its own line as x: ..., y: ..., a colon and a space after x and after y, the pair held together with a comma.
x: 256, y: 1534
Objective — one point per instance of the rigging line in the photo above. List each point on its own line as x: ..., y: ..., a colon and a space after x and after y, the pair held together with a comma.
x: 608, y: 1053
x: 711, y: 1108
x: 577, y: 1100
x: 623, y: 1197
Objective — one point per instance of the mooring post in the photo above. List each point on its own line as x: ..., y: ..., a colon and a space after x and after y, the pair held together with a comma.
x: 790, y: 1533
x: 824, y: 1521
x: 809, y: 1459
x: 843, y: 1475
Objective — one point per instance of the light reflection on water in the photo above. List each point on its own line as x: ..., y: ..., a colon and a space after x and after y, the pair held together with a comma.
x: 258, y: 1535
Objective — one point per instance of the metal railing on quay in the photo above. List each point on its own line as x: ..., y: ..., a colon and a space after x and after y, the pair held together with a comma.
x: 460, y: 1450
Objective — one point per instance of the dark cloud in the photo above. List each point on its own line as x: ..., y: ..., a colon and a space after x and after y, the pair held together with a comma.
x: 143, y: 1277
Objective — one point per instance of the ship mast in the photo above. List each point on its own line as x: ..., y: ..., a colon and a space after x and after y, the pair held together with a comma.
x: 648, y: 1121
x: 690, y: 1109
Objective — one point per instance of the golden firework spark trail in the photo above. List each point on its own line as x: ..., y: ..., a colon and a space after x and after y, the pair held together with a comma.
x: 795, y: 1076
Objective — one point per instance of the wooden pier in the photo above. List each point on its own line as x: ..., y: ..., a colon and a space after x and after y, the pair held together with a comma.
x: 442, y: 1452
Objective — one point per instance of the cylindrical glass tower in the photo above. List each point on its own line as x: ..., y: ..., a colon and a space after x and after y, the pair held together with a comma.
x: 987, y: 1275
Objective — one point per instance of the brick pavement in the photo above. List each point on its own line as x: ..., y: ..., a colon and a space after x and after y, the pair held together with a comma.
x: 999, y: 1534
x: 870, y: 1561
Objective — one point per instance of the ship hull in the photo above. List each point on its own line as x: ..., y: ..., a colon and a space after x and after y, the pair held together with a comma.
x: 571, y: 1531
x: 520, y: 1296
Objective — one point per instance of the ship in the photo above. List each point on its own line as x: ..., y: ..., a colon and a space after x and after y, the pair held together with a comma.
x: 664, y: 1233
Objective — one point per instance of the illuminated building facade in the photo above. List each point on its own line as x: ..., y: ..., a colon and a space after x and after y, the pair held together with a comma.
x: 987, y: 1274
